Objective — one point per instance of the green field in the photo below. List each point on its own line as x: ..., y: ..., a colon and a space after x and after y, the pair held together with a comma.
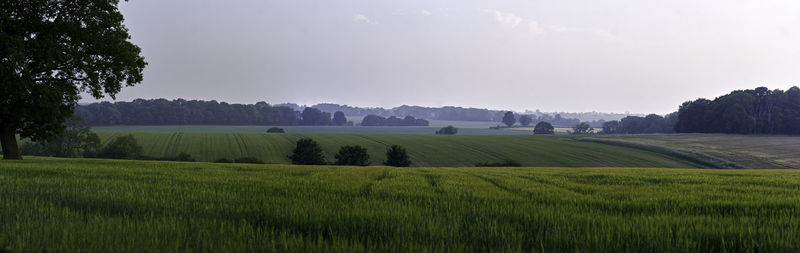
x: 750, y: 151
x: 49, y: 204
x: 464, y: 128
x: 425, y: 150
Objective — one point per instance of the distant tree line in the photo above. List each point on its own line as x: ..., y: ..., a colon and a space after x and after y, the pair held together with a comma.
x: 197, y: 112
x: 641, y: 125
x: 375, y: 120
x: 756, y: 111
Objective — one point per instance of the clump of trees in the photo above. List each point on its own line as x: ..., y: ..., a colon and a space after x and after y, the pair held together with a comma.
x: 641, y: 125
x: 448, y: 130
x: 756, y: 111
x: 307, y: 152
x: 375, y: 120
x: 509, y: 119
x: 582, y: 128
x: 525, y: 120
x: 275, y: 130
x: 352, y: 155
x: 543, y: 128
x: 247, y: 159
x: 122, y: 147
x: 397, y: 156
x: 77, y: 140
x: 504, y: 163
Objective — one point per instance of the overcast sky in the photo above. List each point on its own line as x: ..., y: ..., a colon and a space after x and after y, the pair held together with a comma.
x: 612, y: 56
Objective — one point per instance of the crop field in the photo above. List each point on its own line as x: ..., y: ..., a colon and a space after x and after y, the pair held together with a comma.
x: 424, y: 150
x: 464, y: 128
x: 49, y: 204
x: 750, y: 151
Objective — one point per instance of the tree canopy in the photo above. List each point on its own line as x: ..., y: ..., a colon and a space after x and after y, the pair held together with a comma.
x: 509, y: 119
x: 543, y: 128
x: 756, y: 111
x: 52, y: 50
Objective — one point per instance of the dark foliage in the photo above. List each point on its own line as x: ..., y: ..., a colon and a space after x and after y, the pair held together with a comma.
x: 375, y: 120
x: 757, y: 111
x: 315, y: 117
x: 543, y: 128
x: 223, y: 160
x: 307, y: 152
x: 275, y: 130
x: 448, y: 130
x: 504, y: 163
x: 51, y: 52
x: 525, y: 120
x: 509, y: 119
x: 582, y: 128
x: 183, y: 112
x: 352, y: 155
x: 641, y: 125
x: 123, y: 147
x: 248, y: 160
x: 77, y: 140
x: 339, y: 119
x: 396, y: 156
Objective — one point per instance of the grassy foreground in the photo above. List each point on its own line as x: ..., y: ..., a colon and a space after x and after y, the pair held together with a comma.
x: 424, y: 150
x: 49, y: 204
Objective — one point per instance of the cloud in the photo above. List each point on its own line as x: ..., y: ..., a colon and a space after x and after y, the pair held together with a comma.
x: 426, y: 12
x: 505, y: 18
x: 361, y: 18
x: 535, y: 28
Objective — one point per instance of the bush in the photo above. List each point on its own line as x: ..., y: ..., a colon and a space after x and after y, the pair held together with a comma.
x: 223, y: 160
x: 582, y: 128
x: 447, y: 130
x: 275, y: 130
x: 307, y: 152
x: 247, y: 160
x: 396, y: 156
x: 33, y: 148
x: 504, y: 163
x: 543, y: 128
x: 352, y: 155
x: 123, y: 147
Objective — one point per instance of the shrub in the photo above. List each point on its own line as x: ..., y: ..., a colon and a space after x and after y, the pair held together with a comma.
x: 223, y: 160
x: 275, y: 130
x: 582, y: 128
x: 33, y: 148
x: 352, y: 155
x: 307, y: 152
x: 123, y: 147
x: 396, y: 156
x: 504, y: 163
x: 447, y: 130
x: 543, y: 128
x: 247, y: 160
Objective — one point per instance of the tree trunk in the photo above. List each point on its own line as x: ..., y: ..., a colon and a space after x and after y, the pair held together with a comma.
x: 8, y: 139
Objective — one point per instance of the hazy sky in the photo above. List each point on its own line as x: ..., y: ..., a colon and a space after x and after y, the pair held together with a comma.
x: 637, y: 55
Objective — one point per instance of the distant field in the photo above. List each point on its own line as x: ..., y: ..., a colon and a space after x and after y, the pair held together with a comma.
x: 425, y: 150
x: 85, y: 205
x: 759, y: 151
x: 465, y: 128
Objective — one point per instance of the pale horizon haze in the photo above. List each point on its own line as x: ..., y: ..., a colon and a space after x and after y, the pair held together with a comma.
x: 573, y: 56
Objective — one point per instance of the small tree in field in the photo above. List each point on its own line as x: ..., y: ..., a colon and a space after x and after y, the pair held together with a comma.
x: 509, y: 119
x: 339, y: 119
x: 307, y: 152
x: 525, y: 120
x: 396, y: 156
x: 583, y: 128
x: 123, y: 147
x: 448, y: 130
x: 352, y: 155
x: 543, y: 128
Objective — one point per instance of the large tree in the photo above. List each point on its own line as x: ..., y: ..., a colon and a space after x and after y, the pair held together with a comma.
x: 509, y: 119
x: 52, y: 50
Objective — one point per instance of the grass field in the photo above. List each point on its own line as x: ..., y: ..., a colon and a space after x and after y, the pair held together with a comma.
x: 464, y: 128
x: 425, y: 150
x: 750, y: 151
x: 49, y: 204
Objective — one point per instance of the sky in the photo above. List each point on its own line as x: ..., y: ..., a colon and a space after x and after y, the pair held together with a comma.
x: 639, y: 56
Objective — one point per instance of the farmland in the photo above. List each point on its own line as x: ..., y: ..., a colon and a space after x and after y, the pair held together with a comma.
x: 462, y: 129
x: 49, y: 204
x: 425, y: 150
x: 750, y: 151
